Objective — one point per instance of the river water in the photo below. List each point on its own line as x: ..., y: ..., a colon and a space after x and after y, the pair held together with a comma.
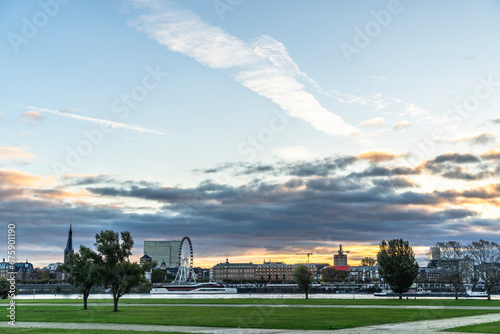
x: 223, y: 296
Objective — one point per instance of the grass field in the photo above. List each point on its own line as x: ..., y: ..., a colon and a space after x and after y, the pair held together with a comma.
x: 248, y: 317
x: 73, y: 331
x: 492, y: 327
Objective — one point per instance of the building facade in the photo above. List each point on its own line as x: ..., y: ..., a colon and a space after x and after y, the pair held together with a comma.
x: 364, y: 274
x: 163, y: 251
x: 233, y: 272
x: 267, y: 271
x: 22, y: 270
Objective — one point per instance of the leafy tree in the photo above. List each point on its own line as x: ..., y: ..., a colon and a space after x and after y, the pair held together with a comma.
x: 4, y: 288
x: 115, y: 268
x: 158, y: 276
x: 303, y: 278
x: 330, y: 274
x: 486, y: 257
x: 368, y: 261
x: 83, y: 271
x: 452, y: 264
x: 397, y: 265
x: 43, y: 275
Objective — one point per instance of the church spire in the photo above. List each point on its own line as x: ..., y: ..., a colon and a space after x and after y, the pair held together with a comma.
x: 69, y: 244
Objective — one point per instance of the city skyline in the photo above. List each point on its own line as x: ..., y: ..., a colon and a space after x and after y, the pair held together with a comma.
x: 259, y: 130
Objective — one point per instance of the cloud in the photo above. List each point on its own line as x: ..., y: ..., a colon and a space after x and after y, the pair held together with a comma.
x: 325, y: 201
x: 274, y: 51
x: 266, y: 74
x: 295, y: 153
x: 18, y: 178
x: 110, y: 124
x: 378, y: 79
x: 378, y: 156
x: 377, y: 121
x: 15, y: 154
x: 496, y: 120
x: 491, y: 155
x: 415, y: 111
x: 318, y: 167
x: 402, y: 124
x: 481, y: 139
x: 450, y: 166
x: 376, y: 101
x: 31, y: 116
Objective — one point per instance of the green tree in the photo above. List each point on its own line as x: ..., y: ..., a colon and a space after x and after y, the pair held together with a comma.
x: 115, y: 268
x: 303, y: 278
x: 158, y: 276
x: 330, y: 274
x: 83, y: 271
x: 4, y: 288
x: 397, y: 265
x: 43, y: 275
x: 368, y: 261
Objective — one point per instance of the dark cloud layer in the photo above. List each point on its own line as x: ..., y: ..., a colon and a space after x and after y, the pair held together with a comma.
x: 319, y: 203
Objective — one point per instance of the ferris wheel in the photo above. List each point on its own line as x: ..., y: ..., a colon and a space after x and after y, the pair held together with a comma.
x: 185, y: 272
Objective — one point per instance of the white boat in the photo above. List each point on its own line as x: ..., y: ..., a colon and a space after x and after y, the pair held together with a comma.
x: 192, y: 288
x: 470, y: 293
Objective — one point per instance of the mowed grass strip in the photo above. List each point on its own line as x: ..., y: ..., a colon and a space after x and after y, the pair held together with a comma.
x: 389, y: 301
x: 247, y: 317
x: 491, y: 327
x: 72, y: 331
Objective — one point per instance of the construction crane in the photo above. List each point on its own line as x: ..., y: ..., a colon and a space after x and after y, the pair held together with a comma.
x: 307, y: 254
x: 340, y: 252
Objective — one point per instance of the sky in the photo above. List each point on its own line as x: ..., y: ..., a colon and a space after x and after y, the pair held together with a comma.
x: 262, y: 130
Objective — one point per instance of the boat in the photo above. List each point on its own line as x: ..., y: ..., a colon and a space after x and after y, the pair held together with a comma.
x: 419, y: 292
x: 470, y: 293
x: 192, y: 288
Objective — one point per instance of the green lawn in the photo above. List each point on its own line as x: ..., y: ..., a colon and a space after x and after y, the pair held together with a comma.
x: 72, y: 331
x: 389, y: 301
x: 249, y: 317
x: 492, y: 327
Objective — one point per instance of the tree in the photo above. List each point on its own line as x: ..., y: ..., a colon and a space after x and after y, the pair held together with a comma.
x: 330, y: 274
x: 4, y: 288
x: 115, y: 268
x: 368, y: 261
x: 158, y: 276
x: 83, y: 271
x: 397, y: 265
x: 303, y: 278
x: 452, y: 264
x: 486, y: 257
x: 43, y: 275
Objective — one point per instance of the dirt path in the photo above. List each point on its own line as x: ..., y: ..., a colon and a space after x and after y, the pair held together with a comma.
x: 416, y: 327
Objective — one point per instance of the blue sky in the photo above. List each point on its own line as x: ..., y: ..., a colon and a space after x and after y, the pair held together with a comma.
x: 172, y: 118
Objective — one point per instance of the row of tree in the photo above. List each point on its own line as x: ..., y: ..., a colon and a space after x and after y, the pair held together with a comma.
x: 108, y: 265
x: 457, y: 264
x: 460, y: 264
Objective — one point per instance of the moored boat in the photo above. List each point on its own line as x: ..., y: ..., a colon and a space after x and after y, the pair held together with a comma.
x: 192, y: 288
